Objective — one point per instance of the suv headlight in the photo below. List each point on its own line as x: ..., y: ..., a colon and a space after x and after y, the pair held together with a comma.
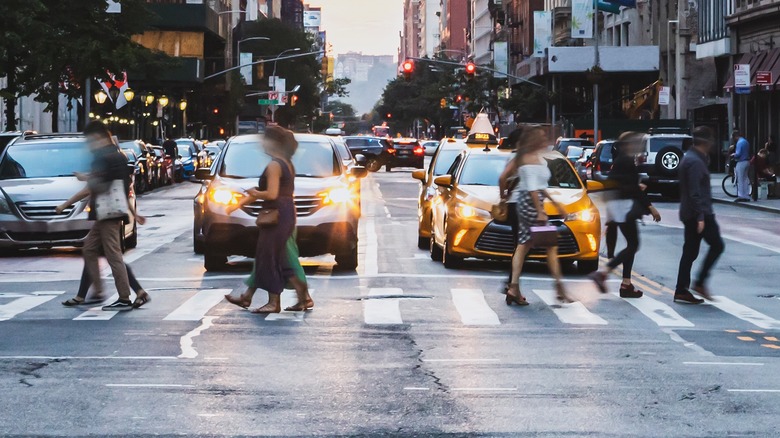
x: 338, y: 195
x: 225, y: 196
x: 587, y: 215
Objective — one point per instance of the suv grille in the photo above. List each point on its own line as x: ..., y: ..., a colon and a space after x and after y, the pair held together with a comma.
x: 304, y: 206
x: 498, y: 238
x: 42, y: 210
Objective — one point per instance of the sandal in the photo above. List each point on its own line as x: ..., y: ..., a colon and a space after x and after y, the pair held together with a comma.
x: 561, y: 294
x: 300, y: 307
x: 240, y: 301
x: 266, y: 310
x: 72, y: 302
x: 514, y: 296
x: 141, y: 299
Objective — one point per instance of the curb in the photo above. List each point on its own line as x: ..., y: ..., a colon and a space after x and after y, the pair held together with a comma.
x: 752, y: 205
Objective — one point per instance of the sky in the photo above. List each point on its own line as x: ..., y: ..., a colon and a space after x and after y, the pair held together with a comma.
x: 368, y: 26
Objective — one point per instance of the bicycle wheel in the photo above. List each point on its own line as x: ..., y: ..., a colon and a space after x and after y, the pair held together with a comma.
x: 729, y: 185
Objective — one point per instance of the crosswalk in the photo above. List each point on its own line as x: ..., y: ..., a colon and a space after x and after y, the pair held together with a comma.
x: 391, y: 306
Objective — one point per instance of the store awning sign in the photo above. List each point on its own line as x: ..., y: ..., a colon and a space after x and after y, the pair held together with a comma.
x: 742, y: 78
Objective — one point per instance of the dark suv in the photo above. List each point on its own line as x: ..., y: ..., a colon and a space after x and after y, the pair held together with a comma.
x: 375, y: 149
x: 406, y: 152
x: 600, y: 162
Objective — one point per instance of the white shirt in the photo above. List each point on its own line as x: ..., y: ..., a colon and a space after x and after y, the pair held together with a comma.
x: 533, y: 177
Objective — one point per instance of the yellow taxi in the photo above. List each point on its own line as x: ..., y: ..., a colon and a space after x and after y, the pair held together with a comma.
x: 461, y: 225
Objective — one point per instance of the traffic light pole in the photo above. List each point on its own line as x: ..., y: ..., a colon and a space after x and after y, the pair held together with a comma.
x: 438, y: 61
x: 263, y: 61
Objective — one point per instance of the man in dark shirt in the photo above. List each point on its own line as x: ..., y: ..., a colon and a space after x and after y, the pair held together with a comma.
x: 170, y: 147
x: 697, y: 215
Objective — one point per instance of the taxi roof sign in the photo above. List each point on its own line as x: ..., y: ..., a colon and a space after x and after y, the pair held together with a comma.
x: 482, y: 131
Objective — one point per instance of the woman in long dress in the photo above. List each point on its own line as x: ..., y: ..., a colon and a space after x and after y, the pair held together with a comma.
x: 275, y: 189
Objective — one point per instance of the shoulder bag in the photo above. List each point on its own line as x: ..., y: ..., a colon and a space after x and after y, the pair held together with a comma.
x: 112, y: 204
x: 268, y: 217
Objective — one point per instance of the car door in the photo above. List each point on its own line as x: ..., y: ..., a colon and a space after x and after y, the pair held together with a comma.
x: 441, y: 202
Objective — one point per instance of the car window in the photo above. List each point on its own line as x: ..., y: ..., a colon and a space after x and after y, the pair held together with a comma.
x: 42, y: 160
x: 482, y: 170
x: 131, y: 156
x: 343, y: 151
x: 454, y: 166
x: 184, y: 150
x: 246, y: 159
x: 605, y: 153
x: 562, y: 175
x: 444, y: 160
x: 574, y: 152
x: 4, y: 140
x: 658, y: 143
x: 361, y: 142
x: 131, y: 145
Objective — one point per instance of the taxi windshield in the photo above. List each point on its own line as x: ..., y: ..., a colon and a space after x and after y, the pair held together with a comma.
x: 483, y: 170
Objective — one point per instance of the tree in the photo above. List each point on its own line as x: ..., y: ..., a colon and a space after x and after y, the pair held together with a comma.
x: 338, y: 87
x: 340, y: 109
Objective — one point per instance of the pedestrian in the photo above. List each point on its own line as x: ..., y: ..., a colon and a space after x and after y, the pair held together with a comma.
x: 275, y: 189
x: 534, y: 176
x: 625, y: 205
x: 170, y: 147
x: 108, y: 188
x: 507, y: 185
x: 142, y: 297
x: 742, y: 158
x: 698, y: 217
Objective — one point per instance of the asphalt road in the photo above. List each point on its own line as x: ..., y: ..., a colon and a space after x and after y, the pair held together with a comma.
x: 401, y: 347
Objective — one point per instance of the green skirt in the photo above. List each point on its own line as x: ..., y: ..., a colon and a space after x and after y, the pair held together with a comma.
x: 291, y: 250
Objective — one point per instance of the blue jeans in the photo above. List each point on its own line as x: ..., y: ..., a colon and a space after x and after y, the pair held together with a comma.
x: 743, y: 179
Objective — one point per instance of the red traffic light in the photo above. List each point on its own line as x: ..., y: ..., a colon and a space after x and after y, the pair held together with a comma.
x: 408, y: 66
x: 471, y: 68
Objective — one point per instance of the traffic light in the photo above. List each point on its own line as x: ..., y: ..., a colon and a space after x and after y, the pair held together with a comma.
x: 458, y: 98
x: 293, y: 100
x: 471, y: 69
x: 407, y: 68
x: 443, y: 103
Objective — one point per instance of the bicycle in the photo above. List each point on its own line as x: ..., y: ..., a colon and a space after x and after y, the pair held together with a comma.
x: 729, y: 183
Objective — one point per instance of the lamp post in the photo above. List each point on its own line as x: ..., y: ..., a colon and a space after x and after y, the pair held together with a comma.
x: 100, y: 97
x: 238, y: 45
x: 296, y: 49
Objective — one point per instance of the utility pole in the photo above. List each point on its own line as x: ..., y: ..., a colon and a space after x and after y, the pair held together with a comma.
x: 596, y: 66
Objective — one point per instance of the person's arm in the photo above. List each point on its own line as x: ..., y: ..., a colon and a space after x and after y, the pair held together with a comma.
x: 509, y: 170
x: 696, y: 172
x: 81, y: 194
x: 273, y: 175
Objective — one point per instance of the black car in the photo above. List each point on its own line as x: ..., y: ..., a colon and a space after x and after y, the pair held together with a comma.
x: 562, y: 144
x: 144, y: 161
x: 600, y: 162
x: 134, y: 167
x: 375, y: 149
x: 406, y: 152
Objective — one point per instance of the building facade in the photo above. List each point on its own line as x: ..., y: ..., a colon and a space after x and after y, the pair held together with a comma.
x: 429, y: 13
x: 410, y: 34
x: 481, y: 32
x: 455, y: 28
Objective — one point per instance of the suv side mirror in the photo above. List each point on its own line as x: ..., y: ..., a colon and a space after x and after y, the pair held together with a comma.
x: 361, y: 159
x: 443, y: 181
x: 419, y: 174
x: 203, y: 174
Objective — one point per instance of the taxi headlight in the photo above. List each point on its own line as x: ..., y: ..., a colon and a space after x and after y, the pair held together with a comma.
x: 225, y: 196
x: 336, y: 196
x: 587, y: 215
x: 467, y: 211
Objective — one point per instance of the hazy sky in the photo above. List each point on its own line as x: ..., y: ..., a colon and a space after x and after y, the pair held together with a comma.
x: 368, y: 26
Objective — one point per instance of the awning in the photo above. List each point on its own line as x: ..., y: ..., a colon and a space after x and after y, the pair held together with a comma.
x: 766, y: 60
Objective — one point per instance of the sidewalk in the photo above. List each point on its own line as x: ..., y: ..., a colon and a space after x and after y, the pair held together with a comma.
x: 718, y: 196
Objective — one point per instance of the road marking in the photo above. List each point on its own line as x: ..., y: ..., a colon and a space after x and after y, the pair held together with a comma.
x: 692, y: 345
x: 367, y: 276
x: 747, y: 364
x: 416, y: 388
x: 745, y: 313
x: 195, y: 308
x: 572, y: 313
x: 745, y: 338
x: 88, y: 357
x: 385, y: 310
x: 96, y: 313
x: 461, y: 360
x: 472, y: 307
x: 660, y: 313
x: 23, y: 304
x: 755, y: 390
x: 148, y: 385
x: 289, y: 298
x: 186, y: 342
x: 486, y: 389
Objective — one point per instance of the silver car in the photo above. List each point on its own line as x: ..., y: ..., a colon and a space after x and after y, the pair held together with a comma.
x: 326, y: 199
x: 36, y: 175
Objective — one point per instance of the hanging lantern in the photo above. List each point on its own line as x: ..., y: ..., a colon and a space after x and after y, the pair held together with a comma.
x: 163, y: 100
x: 100, y: 97
x: 183, y: 105
x: 149, y: 99
x: 129, y: 94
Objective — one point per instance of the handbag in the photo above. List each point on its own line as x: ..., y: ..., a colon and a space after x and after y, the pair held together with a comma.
x: 544, y: 236
x: 268, y: 217
x: 500, y: 212
x: 112, y: 204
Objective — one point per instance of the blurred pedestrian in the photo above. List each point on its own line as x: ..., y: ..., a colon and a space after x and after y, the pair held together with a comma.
x: 507, y: 185
x: 108, y: 188
x: 698, y: 217
x: 170, y: 147
x: 742, y: 157
x: 534, y: 177
x: 625, y: 205
x: 142, y: 297
x: 276, y: 221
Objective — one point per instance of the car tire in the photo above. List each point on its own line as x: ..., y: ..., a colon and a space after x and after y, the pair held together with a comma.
x: 423, y: 242
x: 132, y: 241
x: 450, y: 260
x: 585, y: 267
x: 436, y: 252
x: 197, y: 244
x: 373, y: 165
x: 667, y: 161
x: 214, y: 262
x: 388, y: 168
x: 347, y: 261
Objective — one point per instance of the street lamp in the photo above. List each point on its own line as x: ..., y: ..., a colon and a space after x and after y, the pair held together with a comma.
x: 129, y: 94
x: 149, y: 99
x: 183, y: 105
x: 296, y: 49
x: 100, y: 97
x: 163, y: 100
x: 238, y: 45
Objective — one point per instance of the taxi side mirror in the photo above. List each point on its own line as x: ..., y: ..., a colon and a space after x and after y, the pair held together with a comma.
x: 203, y: 174
x: 594, y: 186
x: 419, y: 174
x: 443, y: 181
x: 358, y: 171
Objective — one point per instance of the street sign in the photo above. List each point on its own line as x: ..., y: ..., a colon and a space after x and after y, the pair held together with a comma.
x: 742, y: 78
x: 763, y: 78
x: 663, y: 96
x: 267, y: 102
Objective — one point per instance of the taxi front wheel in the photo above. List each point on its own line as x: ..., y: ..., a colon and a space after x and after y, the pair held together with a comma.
x: 451, y: 261
x: 587, y: 266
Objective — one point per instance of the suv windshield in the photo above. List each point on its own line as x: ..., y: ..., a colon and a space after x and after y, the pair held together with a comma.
x: 246, y: 159
x: 658, y: 143
x: 45, y: 160
x: 482, y: 170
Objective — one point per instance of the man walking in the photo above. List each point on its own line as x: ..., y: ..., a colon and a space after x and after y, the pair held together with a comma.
x: 742, y: 157
x: 697, y: 215
x: 108, y: 165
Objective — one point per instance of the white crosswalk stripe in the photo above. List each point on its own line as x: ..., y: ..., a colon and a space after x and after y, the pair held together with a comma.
x: 97, y: 313
x: 660, y: 313
x: 196, y: 307
x: 382, y: 311
x: 473, y: 308
x: 572, y: 313
x: 745, y: 313
x: 25, y: 303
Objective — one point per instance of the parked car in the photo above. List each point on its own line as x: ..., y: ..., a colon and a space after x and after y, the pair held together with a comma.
x: 562, y: 144
x: 326, y: 207
x: 662, y: 156
x: 579, y: 156
x: 164, y: 167
x: 134, y: 168
x: 375, y: 149
x: 406, y: 152
x: 144, y: 160
x: 37, y: 175
x: 188, y: 151
x: 430, y: 147
x: 600, y: 162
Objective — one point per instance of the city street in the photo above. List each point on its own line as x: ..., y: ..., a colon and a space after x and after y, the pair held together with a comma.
x: 400, y: 347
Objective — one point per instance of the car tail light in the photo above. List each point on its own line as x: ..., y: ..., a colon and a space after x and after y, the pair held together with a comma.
x: 419, y: 150
x: 390, y: 150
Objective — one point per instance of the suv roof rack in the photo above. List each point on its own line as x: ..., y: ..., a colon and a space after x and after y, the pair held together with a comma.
x: 52, y: 135
x: 668, y: 130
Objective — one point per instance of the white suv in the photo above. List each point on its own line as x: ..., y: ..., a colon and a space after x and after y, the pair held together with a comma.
x: 663, y: 154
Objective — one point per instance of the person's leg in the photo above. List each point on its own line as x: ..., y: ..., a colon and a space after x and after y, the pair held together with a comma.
x: 631, y: 233
x: 141, y: 296
x: 689, y: 254
x: 512, y: 219
x: 112, y: 247
x: 554, y: 265
x: 743, y: 180
x: 91, y: 254
x: 612, y: 235
x: 81, y: 295
x: 711, y: 235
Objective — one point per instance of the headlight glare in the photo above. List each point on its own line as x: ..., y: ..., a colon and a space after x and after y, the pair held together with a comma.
x: 225, y: 196
x: 467, y: 211
x: 587, y: 215
x: 336, y: 196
